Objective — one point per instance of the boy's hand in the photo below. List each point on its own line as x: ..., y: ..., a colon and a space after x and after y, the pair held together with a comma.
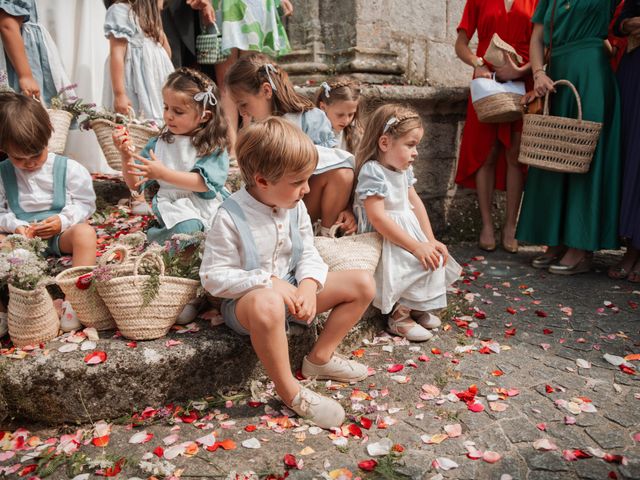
x: 48, y: 227
x: 289, y: 294
x: 307, y: 292
x: 148, y: 169
x: 442, y: 250
x: 428, y: 255
x: 347, y: 222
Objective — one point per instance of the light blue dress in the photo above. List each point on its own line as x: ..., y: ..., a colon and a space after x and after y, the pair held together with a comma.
x: 42, y: 53
x: 400, y: 278
x: 146, y: 65
x: 183, y: 211
x: 315, y: 124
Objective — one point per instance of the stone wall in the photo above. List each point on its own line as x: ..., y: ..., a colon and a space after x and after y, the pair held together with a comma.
x: 396, y: 41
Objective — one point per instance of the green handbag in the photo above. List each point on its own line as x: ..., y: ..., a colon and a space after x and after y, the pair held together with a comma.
x: 209, y: 46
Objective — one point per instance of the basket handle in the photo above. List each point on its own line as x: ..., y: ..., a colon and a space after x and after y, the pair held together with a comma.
x: 575, y: 93
x: 153, y: 257
x: 111, y: 254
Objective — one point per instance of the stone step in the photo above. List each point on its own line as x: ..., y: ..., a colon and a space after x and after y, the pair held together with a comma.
x: 53, y: 387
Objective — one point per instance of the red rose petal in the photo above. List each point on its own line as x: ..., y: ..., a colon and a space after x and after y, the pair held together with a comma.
x: 95, y: 358
x: 367, y: 465
x: 395, y: 368
x: 355, y: 430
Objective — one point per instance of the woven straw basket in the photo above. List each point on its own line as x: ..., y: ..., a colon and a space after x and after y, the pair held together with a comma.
x: 138, y: 134
x: 559, y: 144
x: 91, y: 310
x: 124, y: 298
x: 60, y: 121
x: 503, y: 107
x: 32, y: 316
x: 351, y: 252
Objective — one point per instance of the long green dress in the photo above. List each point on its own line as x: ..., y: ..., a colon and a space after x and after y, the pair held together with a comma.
x: 579, y: 210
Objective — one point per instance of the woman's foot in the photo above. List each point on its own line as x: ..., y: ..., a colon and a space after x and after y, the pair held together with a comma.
x: 634, y: 274
x: 487, y: 239
x: 548, y: 258
x: 401, y: 324
x: 621, y: 270
x: 509, y: 242
x: 573, y: 262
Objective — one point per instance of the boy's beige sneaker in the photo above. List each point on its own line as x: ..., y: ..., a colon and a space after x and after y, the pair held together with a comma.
x: 323, y: 411
x: 338, y: 368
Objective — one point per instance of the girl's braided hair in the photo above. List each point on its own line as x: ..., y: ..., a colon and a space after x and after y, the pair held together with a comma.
x: 212, y: 134
x: 393, y: 120
x: 344, y: 89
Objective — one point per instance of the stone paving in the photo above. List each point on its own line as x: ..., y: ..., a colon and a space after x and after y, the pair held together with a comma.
x: 549, y: 404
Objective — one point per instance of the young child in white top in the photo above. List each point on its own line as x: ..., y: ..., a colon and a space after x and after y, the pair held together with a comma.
x: 261, y: 88
x: 415, y: 268
x: 188, y: 159
x: 42, y: 194
x: 259, y: 255
x: 339, y: 99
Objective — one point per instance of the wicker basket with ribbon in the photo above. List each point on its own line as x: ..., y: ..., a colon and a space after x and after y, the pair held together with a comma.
x: 351, y: 252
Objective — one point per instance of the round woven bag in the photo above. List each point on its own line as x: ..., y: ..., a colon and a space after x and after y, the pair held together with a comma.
x: 139, y: 135
x: 32, y: 317
x: 559, y: 144
x: 351, y: 252
x: 60, y: 121
x: 124, y: 296
x: 91, y: 310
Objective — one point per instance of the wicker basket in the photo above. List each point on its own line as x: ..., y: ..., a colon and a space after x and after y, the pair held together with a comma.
x: 139, y: 135
x: 32, y: 317
x: 559, y: 144
x: 60, y: 121
x: 124, y: 298
x: 91, y: 310
x: 500, y: 108
x: 351, y: 252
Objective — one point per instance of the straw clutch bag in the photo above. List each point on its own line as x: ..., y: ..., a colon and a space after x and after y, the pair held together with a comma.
x: 496, y: 50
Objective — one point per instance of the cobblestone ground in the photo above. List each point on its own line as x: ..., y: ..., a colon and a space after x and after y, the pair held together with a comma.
x: 527, y: 380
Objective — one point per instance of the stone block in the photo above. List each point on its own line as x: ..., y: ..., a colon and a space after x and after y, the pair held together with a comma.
x: 454, y: 15
x: 608, y: 435
x: 520, y: 430
x: 418, y: 18
x: 444, y: 68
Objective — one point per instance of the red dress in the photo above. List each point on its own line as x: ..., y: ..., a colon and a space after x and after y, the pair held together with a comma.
x: 514, y: 27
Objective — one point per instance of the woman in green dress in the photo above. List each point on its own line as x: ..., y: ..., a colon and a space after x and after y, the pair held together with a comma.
x: 575, y: 213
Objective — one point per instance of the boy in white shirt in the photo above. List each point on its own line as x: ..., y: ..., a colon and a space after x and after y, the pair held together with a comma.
x: 42, y: 194
x: 259, y: 255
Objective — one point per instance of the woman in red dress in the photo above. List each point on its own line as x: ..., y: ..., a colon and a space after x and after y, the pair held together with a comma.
x: 489, y: 151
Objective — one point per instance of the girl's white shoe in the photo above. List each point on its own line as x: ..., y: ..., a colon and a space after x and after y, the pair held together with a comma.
x: 426, y: 319
x: 400, y: 323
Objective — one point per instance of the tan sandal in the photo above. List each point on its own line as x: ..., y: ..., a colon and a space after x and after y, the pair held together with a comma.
x: 400, y: 323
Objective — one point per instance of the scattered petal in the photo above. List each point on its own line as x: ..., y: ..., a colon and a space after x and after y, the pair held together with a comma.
x: 544, y: 444
x: 444, y: 463
x: 251, y: 443
x: 491, y: 457
x: 95, y: 358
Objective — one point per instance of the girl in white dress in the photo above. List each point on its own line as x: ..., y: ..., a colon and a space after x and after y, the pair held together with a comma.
x: 261, y: 88
x: 415, y: 268
x: 339, y: 99
x: 188, y: 160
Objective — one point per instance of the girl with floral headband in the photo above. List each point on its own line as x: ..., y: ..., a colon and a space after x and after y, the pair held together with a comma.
x: 260, y: 88
x: 339, y: 99
x: 415, y: 268
x: 188, y: 160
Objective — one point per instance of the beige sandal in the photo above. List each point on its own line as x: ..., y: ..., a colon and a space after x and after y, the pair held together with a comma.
x: 400, y: 323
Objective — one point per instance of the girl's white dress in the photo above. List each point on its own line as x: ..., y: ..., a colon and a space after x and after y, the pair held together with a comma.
x: 146, y: 65
x: 400, y: 278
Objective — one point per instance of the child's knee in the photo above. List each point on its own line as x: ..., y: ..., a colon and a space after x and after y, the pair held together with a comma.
x: 267, y: 310
x: 344, y: 177
x: 365, y: 285
x: 83, y: 234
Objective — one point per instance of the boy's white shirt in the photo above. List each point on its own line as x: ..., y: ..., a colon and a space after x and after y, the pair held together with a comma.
x: 35, y: 193
x: 222, y: 273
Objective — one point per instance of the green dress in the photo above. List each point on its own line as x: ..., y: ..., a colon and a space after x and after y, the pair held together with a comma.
x: 579, y: 210
x: 253, y: 25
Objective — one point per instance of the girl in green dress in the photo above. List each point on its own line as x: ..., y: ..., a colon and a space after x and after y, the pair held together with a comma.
x: 575, y: 214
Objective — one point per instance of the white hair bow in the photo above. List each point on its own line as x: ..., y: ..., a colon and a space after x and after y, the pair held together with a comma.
x: 327, y: 89
x: 206, y: 97
x: 390, y: 123
x: 268, y: 68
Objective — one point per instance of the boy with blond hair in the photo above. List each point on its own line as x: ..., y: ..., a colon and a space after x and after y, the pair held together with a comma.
x: 259, y: 256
